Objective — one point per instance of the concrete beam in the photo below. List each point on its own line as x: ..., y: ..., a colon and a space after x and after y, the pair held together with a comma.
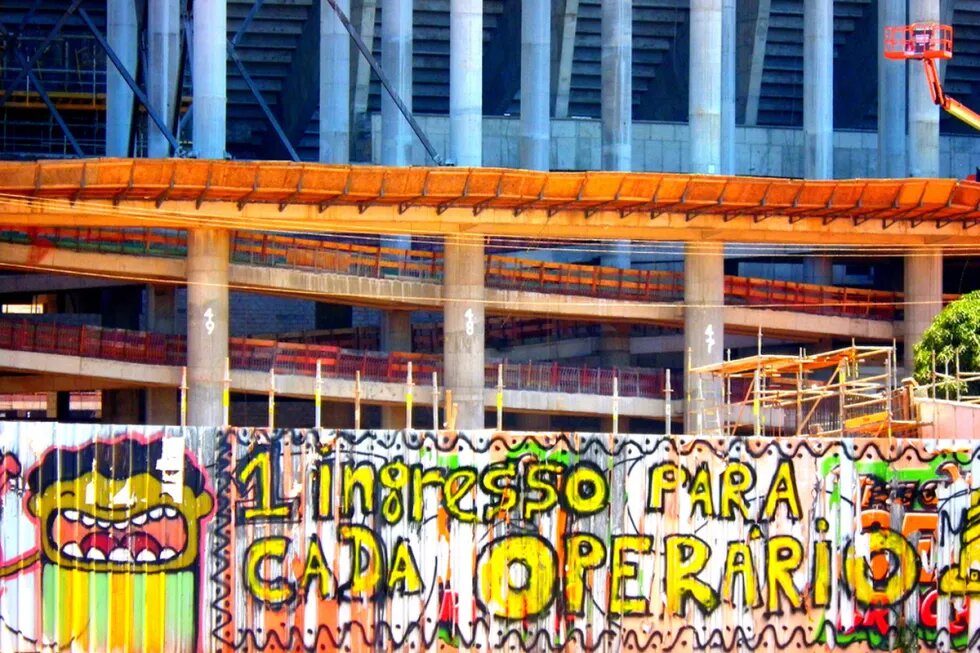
x: 29, y: 383
x: 42, y: 283
x: 502, y: 63
x: 565, y: 24
x: 752, y: 17
x: 403, y: 294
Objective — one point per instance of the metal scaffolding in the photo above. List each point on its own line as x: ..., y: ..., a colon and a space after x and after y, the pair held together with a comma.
x: 846, y: 392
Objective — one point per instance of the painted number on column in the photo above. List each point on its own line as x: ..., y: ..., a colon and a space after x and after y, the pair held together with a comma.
x: 709, y: 337
x: 209, y: 320
x: 470, y: 325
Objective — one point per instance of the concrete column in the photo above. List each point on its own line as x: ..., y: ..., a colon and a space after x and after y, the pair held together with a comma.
x: 892, y: 92
x: 334, y: 85
x: 396, y: 335
x: 819, y: 270
x: 396, y: 61
x: 728, y: 38
x: 163, y: 47
x: 122, y: 29
x: 536, y: 85
x: 466, y: 83
x: 923, y: 152
x: 617, y: 84
x: 923, y: 296
x: 464, y: 326
x: 704, y: 321
x: 207, y: 323
x: 209, y: 72
x: 818, y: 89
x: 704, y: 98
x: 162, y: 405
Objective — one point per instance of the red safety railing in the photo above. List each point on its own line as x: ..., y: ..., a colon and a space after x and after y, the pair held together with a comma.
x: 301, y: 359
x: 504, y: 272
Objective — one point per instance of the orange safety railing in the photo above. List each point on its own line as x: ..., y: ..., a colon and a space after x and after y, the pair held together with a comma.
x: 504, y: 272
x: 300, y: 359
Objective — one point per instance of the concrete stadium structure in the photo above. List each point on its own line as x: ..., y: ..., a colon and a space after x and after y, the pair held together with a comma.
x: 767, y: 88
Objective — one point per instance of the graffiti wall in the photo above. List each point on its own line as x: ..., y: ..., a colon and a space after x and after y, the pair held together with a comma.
x: 300, y: 540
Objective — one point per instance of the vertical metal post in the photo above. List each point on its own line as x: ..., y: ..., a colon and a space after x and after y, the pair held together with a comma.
x: 888, y: 392
x: 615, y: 406
x: 183, y: 397
x: 226, y: 394
x: 668, y: 407
x: 357, y: 400
x: 500, y: 396
x: 435, y: 401
x: 272, y: 398
x: 318, y: 395
x: 408, y: 398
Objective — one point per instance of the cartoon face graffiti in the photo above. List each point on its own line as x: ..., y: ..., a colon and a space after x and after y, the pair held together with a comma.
x: 118, y: 530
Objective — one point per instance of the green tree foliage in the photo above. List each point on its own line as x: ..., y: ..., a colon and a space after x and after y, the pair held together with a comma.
x: 956, y: 330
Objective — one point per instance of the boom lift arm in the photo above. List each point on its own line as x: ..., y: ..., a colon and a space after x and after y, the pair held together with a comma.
x: 928, y: 42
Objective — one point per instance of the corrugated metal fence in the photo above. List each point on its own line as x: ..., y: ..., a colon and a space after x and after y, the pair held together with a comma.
x: 117, y: 538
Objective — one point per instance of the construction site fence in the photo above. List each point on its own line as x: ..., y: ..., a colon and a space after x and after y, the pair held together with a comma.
x: 138, y: 540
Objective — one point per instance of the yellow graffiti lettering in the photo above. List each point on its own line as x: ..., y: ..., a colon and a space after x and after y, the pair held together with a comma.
x: 497, y: 481
x: 516, y: 577
x: 394, y: 477
x: 623, y: 571
x: 323, y: 489
x: 738, y: 563
x: 737, y: 479
x: 421, y: 479
x: 686, y: 557
x: 458, y: 485
x: 782, y: 490
x: 363, y: 477
x: 538, y: 481
x: 273, y: 591
x: 315, y: 569
x: 404, y: 576
x: 701, y: 492
x: 821, y: 574
x: 264, y: 506
x: 367, y: 561
x: 583, y: 553
x: 784, y: 554
x: 887, y: 574
x: 664, y: 478
x: 585, y: 490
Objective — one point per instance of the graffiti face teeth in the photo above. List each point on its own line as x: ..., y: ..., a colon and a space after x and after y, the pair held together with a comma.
x: 167, y: 554
x: 145, y: 556
x: 121, y: 525
x: 120, y: 555
x: 88, y: 520
x: 70, y: 515
x: 170, y: 512
x: 156, y: 513
x: 139, y: 519
x: 72, y: 550
x: 103, y: 524
x: 95, y: 554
